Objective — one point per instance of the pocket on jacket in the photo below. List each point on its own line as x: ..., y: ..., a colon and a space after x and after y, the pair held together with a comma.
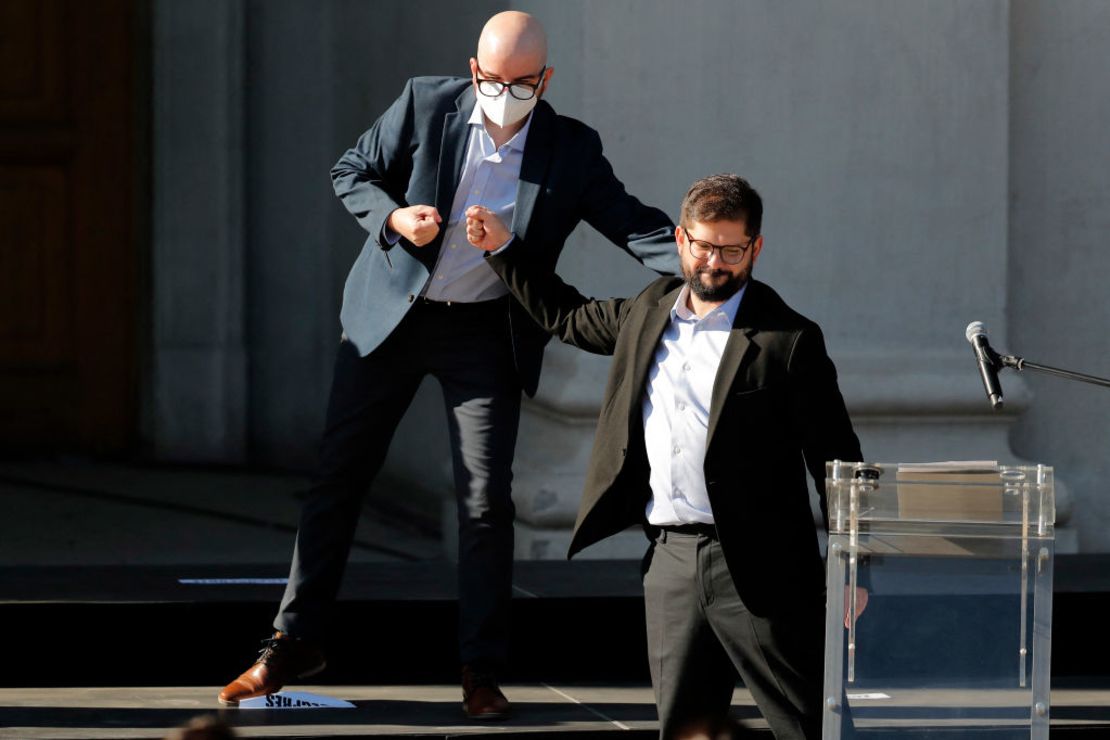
x: 752, y: 392
x: 760, y: 417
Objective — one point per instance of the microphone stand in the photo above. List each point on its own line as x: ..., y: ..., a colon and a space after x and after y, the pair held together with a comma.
x: 1019, y: 363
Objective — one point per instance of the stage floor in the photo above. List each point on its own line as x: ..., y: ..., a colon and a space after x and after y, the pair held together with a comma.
x: 432, y: 711
x: 381, y: 711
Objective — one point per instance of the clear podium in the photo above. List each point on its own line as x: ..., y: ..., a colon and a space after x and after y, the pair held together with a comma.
x: 939, y: 612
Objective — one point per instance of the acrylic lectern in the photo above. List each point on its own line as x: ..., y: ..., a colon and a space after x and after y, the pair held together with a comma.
x: 939, y: 600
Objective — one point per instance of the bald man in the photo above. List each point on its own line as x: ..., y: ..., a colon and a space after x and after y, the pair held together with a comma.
x: 420, y: 300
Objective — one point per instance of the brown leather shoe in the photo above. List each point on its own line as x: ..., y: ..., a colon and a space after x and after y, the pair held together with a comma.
x: 482, y: 698
x: 281, y: 660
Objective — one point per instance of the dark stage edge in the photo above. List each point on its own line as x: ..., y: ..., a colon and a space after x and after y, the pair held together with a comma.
x: 395, y: 623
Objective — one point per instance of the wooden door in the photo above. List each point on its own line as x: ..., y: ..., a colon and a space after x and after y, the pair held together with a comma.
x: 69, y: 120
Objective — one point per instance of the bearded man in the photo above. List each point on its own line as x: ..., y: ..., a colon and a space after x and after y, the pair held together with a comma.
x: 720, y: 397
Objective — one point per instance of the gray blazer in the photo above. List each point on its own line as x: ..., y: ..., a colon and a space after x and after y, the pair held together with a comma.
x: 776, y: 411
x: 413, y: 155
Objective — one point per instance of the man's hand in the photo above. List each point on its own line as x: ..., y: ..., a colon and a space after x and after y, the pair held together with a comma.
x: 484, y: 229
x: 861, y: 603
x: 418, y: 224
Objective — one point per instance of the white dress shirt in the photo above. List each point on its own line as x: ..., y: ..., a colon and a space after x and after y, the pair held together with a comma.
x: 489, y: 178
x: 676, y: 410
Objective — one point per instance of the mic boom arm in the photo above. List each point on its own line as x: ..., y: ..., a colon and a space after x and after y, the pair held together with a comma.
x: 1020, y: 363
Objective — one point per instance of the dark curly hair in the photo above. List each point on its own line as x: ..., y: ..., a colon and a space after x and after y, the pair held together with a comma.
x: 723, y: 197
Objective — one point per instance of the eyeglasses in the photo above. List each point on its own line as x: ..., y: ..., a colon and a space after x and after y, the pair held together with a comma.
x: 731, y: 254
x: 519, y: 90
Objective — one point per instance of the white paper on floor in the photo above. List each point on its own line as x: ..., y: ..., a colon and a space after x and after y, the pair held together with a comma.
x: 294, y: 700
x: 233, y: 581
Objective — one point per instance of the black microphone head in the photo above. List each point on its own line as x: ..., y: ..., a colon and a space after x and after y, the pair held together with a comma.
x: 975, y: 329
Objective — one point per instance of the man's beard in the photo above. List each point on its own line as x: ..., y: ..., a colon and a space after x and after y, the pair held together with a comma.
x: 720, y: 292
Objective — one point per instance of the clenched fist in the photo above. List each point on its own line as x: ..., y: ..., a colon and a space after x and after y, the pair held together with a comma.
x: 418, y: 224
x: 484, y: 229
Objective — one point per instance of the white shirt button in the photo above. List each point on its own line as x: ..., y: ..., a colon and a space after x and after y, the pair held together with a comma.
x: 686, y: 366
x: 681, y: 406
x: 677, y: 449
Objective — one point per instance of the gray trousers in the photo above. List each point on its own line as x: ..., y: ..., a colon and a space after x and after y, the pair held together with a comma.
x: 701, y: 637
x: 467, y: 348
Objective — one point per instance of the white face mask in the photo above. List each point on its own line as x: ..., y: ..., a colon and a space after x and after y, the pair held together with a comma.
x: 505, y: 110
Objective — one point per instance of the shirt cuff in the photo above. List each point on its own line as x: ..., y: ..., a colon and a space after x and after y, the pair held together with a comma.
x: 504, y: 246
x: 389, y: 236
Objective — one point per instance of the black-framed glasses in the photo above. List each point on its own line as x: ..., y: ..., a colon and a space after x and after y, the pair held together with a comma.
x: 731, y: 254
x: 519, y: 90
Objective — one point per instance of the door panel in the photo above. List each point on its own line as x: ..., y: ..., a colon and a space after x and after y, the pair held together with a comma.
x: 68, y: 257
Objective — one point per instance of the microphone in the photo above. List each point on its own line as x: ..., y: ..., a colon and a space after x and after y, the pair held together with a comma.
x: 988, y: 366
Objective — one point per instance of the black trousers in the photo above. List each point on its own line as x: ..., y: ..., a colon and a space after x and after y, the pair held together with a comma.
x: 701, y: 637
x: 468, y: 349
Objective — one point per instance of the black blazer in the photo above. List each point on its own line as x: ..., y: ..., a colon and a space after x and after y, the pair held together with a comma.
x: 776, y: 410
x: 413, y: 155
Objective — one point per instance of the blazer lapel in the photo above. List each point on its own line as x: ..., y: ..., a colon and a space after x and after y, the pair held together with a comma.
x: 452, y: 149
x: 738, y: 349
x: 533, y: 167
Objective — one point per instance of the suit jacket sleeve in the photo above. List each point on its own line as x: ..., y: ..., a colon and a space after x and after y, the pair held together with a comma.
x: 817, y: 407
x: 371, y: 178
x: 561, y: 310
x: 644, y: 232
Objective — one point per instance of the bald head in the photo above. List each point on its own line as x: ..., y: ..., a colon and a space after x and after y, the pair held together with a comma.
x: 513, y: 45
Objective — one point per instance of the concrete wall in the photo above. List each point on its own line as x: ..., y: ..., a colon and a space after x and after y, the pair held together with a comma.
x: 1058, y: 244
x: 196, y: 406
x: 896, y: 146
